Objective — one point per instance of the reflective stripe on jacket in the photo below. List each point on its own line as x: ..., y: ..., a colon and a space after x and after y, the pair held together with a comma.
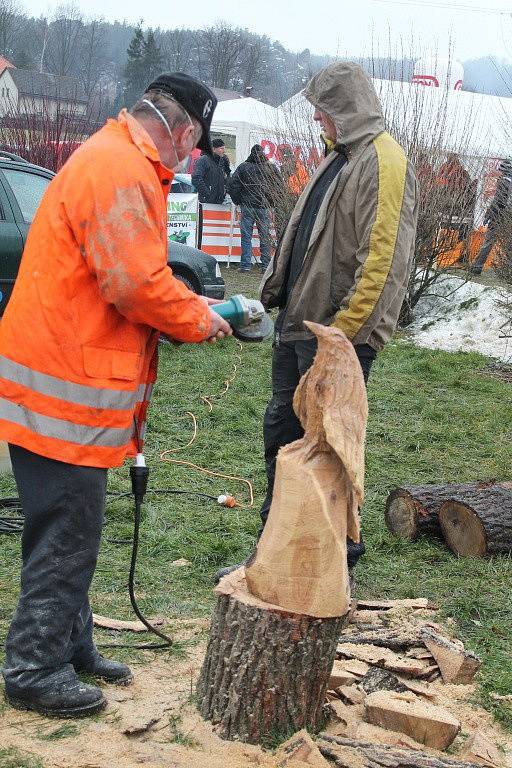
x: 79, y: 336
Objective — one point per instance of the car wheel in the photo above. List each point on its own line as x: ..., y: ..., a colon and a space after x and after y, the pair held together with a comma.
x: 188, y: 281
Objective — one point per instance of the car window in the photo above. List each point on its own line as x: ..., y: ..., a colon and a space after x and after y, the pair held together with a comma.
x: 28, y: 189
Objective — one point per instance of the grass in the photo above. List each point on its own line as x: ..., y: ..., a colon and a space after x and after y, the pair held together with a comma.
x: 434, y: 417
x: 13, y: 758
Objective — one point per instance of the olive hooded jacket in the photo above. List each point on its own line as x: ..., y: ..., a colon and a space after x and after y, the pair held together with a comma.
x: 357, y: 264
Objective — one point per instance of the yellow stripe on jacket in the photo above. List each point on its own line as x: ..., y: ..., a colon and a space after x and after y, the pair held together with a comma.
x: 392, y: 164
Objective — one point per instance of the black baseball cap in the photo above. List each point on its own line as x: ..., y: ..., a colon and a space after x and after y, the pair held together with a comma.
x: 195, y: 97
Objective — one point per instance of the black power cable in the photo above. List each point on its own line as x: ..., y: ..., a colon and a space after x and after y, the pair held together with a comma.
x: 13, y: 524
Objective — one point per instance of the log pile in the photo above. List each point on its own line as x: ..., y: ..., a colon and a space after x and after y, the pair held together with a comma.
x: 388, y: 707
x: 475, y: 519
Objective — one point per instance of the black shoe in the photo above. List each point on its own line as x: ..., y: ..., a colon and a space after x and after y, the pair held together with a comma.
x: 474, y: 270
x: 244, y: 269
x: 68, y: 698
x: 110, y: 671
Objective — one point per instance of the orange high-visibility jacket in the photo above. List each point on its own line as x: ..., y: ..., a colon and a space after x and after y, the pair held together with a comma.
x: 78, y: 340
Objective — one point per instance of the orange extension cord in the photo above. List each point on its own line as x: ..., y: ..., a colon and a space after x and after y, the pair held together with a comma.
x: 225, y: 500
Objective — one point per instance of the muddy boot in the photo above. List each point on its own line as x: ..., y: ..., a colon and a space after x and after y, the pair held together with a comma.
x: 58, y: 694
x: 110, y: 671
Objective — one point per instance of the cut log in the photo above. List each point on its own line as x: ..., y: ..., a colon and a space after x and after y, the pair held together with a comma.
x: 345, y: 753
x: 377, y: 679
x: 413, y: 511
x: 456, y: 665
x: 351, y: 694
x: 478, y: 522
x: 426, y: 723
x: 276, y: 623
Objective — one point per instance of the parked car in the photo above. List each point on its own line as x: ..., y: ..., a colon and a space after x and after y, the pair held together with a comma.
x: 22, y: 186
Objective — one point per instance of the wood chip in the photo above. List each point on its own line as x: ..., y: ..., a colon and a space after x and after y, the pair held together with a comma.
x: 181, y: 563
x: 478, y: 747
x: 355, y: 667
x: 419, y: 603
x: 351, y: 694
x: 340, y: 676
x: 123, y: 626
x: 137, y: 727
x: 424, y: 722
x: 457, y: 665
x: 384, y: 658
x: 300, y: 747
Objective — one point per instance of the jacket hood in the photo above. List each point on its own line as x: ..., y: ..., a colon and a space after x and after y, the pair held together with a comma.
x: 256, y: 156
x: 346, y: 93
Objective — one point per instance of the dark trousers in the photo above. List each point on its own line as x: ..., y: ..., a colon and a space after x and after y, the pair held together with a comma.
x: 63, y: 506
x: 280, y: 424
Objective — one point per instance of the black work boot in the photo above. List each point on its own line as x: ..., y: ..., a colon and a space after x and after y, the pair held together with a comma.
x: 110, y: 671
x: 59, y: 694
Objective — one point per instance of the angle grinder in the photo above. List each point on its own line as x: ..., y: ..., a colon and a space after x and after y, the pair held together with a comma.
x: 246, y: 317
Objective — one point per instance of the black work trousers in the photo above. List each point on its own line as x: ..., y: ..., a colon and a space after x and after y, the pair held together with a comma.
x: 63, y: 506
x: 290, y: 360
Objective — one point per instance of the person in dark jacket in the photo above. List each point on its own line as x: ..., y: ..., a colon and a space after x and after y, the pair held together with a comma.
x: 210, y: 174
x: 496, y: 214
x: 255, y: 187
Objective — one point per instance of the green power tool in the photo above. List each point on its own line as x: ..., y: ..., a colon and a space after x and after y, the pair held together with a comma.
x: 246, y: 317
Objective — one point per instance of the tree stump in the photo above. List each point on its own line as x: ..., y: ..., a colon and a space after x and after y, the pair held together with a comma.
x: 413, y: 511
x: 266, y: 671
x: 478, y: 522
x: 276, y: 624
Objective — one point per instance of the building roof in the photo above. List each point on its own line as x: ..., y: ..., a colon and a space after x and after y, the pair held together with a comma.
x: 223, y: 94
x: 5, y: 64
x: 44, y: 84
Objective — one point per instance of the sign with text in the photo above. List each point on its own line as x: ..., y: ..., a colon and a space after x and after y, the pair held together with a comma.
x: 182, y: 218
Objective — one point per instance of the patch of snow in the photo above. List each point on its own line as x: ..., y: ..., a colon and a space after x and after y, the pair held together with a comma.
x: 463, y: 317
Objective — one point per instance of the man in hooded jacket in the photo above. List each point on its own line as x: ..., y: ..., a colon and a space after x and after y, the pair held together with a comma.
x: 255, y: 186
x: 345, y: 256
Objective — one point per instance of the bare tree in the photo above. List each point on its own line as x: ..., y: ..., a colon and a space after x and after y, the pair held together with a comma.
x: 48, y: 126
x: 92, y: 59
x: 177, y: 49
x: 10, y: 17
x: 65, y: 41
x: 223, y: 46
x: 252, y: 62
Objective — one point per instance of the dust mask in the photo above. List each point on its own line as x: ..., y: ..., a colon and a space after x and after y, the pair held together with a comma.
x: 178, y: 168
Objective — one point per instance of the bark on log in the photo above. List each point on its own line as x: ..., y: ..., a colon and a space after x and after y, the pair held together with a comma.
x: 382, y: 638
x: 266, y: 671
x: 346, y: 753
x: 277, y: 621
x: 413, y: 511
x: 478, y: 522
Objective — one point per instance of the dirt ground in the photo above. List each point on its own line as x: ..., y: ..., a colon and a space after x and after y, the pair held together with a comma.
x: 154, y: 723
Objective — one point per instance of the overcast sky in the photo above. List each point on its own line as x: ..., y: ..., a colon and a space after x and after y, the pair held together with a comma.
x: 335, y: 27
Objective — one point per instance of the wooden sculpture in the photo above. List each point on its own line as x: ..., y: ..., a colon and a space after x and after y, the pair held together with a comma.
x: 275, y: 627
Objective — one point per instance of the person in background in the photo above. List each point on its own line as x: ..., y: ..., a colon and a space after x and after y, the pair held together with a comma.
x: 211, y: 173
x: 498, y: 213
x: 255, y: 186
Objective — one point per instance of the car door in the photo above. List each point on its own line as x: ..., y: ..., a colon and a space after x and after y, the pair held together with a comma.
x: 11, y: 248
x: 21, y: 191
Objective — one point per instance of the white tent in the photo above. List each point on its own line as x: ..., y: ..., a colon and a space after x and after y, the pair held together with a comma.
x: 249, y: 120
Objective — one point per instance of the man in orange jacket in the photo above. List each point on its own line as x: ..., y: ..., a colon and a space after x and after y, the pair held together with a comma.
x: 78, y: 345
